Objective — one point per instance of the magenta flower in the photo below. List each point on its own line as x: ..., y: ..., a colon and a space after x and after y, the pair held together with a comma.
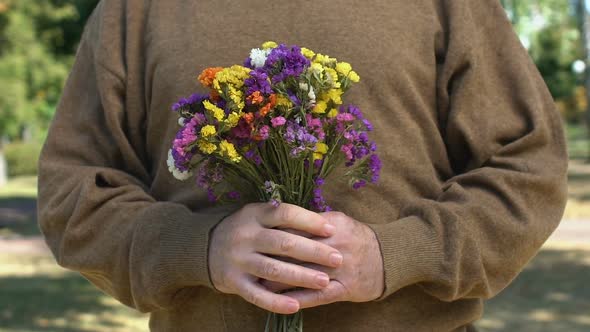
x: 278, y: 121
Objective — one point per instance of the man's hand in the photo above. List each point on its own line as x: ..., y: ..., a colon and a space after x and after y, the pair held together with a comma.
x: 358, y: 279
x: 240, y: 245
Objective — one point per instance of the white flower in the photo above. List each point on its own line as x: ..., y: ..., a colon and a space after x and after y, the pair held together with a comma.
x: 178, y: 174
x: 181, y: 121
x: 258, y: 57
x: 303, y: 86
x: 311, y: 95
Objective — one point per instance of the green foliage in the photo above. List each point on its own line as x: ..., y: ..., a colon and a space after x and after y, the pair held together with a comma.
x: 554, y: 50
x: 37, y: 44
x: 551, y: 31
x: 22, y: 158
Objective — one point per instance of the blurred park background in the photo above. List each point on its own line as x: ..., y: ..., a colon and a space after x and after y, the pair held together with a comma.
x: 38, y: 40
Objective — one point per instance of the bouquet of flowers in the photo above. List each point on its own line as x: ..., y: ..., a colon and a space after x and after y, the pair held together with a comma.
x: 273, y: 130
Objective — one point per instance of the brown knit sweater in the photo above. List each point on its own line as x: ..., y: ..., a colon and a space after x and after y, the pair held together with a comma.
x: 473, y: 150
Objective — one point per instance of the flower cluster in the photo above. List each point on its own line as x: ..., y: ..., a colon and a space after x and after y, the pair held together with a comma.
x: 273, y: 129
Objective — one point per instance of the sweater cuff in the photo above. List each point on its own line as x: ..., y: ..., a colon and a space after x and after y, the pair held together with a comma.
x: 411, y: 253
x: 182, y: 255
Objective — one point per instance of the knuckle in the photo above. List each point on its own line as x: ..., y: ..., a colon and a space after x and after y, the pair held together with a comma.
x: 316, y: 250
x: 320, y: 296
x: 263, y: 236
x: 284, y: 213
x: 254, y: 298
x: 287, y: 244
x: 270, y: 270
x: 236, y: 238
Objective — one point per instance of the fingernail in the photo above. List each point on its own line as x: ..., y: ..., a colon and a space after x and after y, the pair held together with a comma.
x: 336, y: 259
x: 322, y: 280
x: 329, y: 228
x: 293, y: 306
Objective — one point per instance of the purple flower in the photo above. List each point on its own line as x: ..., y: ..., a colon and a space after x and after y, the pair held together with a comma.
x: 368, y: 124
x: 318, y: 203
x: 359, y: 184
x: 209, y: 174
x: 264, y: 132
x: 318, y: 163
x: 345, y: 117
x: 278, y: 121
x: 319, y: 182
x: 211, y: 195
x: 184, y: 137
x: 242, y: 130
x: 355, y: 111
x: 374, y: 167
x: 258, y: 81
x: 297, y: 150
x: 290, y: 133
x: 252, y: 155
x: 285, y: 61
x: 234, y: 195
x: 293, y: 97
x: 248, y: 63
x: 192, y: 101
x: 347, y: 150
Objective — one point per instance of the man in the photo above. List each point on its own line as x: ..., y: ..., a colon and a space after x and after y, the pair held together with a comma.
x: 473, y: 178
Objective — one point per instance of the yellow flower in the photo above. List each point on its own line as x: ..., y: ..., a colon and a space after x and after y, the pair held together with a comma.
x: 208, y: 130
x: 284, y: 101
x: 333, y: 77
x: 236, y: 96
x: 353, y: 76
x: 343, y: 68
x: 217, y: 112
x: 228, y: 150
x: 206, y: 147
x: 320, y: 107
x: 333, y: 112
x: 232, y: 119
x: 323, y: 59
x: 317, y: 68
x: 269, y: 44
x: 233, y: 76
x: 321, y: 148
x: 335, y: 96
x: 307, y: 53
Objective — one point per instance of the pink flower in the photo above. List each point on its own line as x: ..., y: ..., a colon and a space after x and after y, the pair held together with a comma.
x: 278, y: 121
x: 264, y: 132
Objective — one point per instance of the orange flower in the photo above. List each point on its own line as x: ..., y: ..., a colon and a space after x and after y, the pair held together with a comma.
x: 255, y: 98
x: 249, y: 117
x: 272, y: 100
x: 264, y: 110
x: 208, y: 75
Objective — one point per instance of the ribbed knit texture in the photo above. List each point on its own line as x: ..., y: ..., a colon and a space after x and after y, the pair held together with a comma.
x: 473, y: 150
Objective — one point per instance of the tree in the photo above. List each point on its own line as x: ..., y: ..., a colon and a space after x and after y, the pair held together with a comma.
x: 583, y: 20
x: 38, y: 41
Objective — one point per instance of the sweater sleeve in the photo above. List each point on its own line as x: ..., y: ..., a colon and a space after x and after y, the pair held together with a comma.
x: 505, y: 143
x: 94, y: 206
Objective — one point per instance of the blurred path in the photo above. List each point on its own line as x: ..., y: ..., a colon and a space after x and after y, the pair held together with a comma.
x: 572, y: 231
x: 24, y: 245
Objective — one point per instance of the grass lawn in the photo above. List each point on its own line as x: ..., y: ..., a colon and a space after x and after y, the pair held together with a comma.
x: 23, y: 186
x: 38, y: 295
